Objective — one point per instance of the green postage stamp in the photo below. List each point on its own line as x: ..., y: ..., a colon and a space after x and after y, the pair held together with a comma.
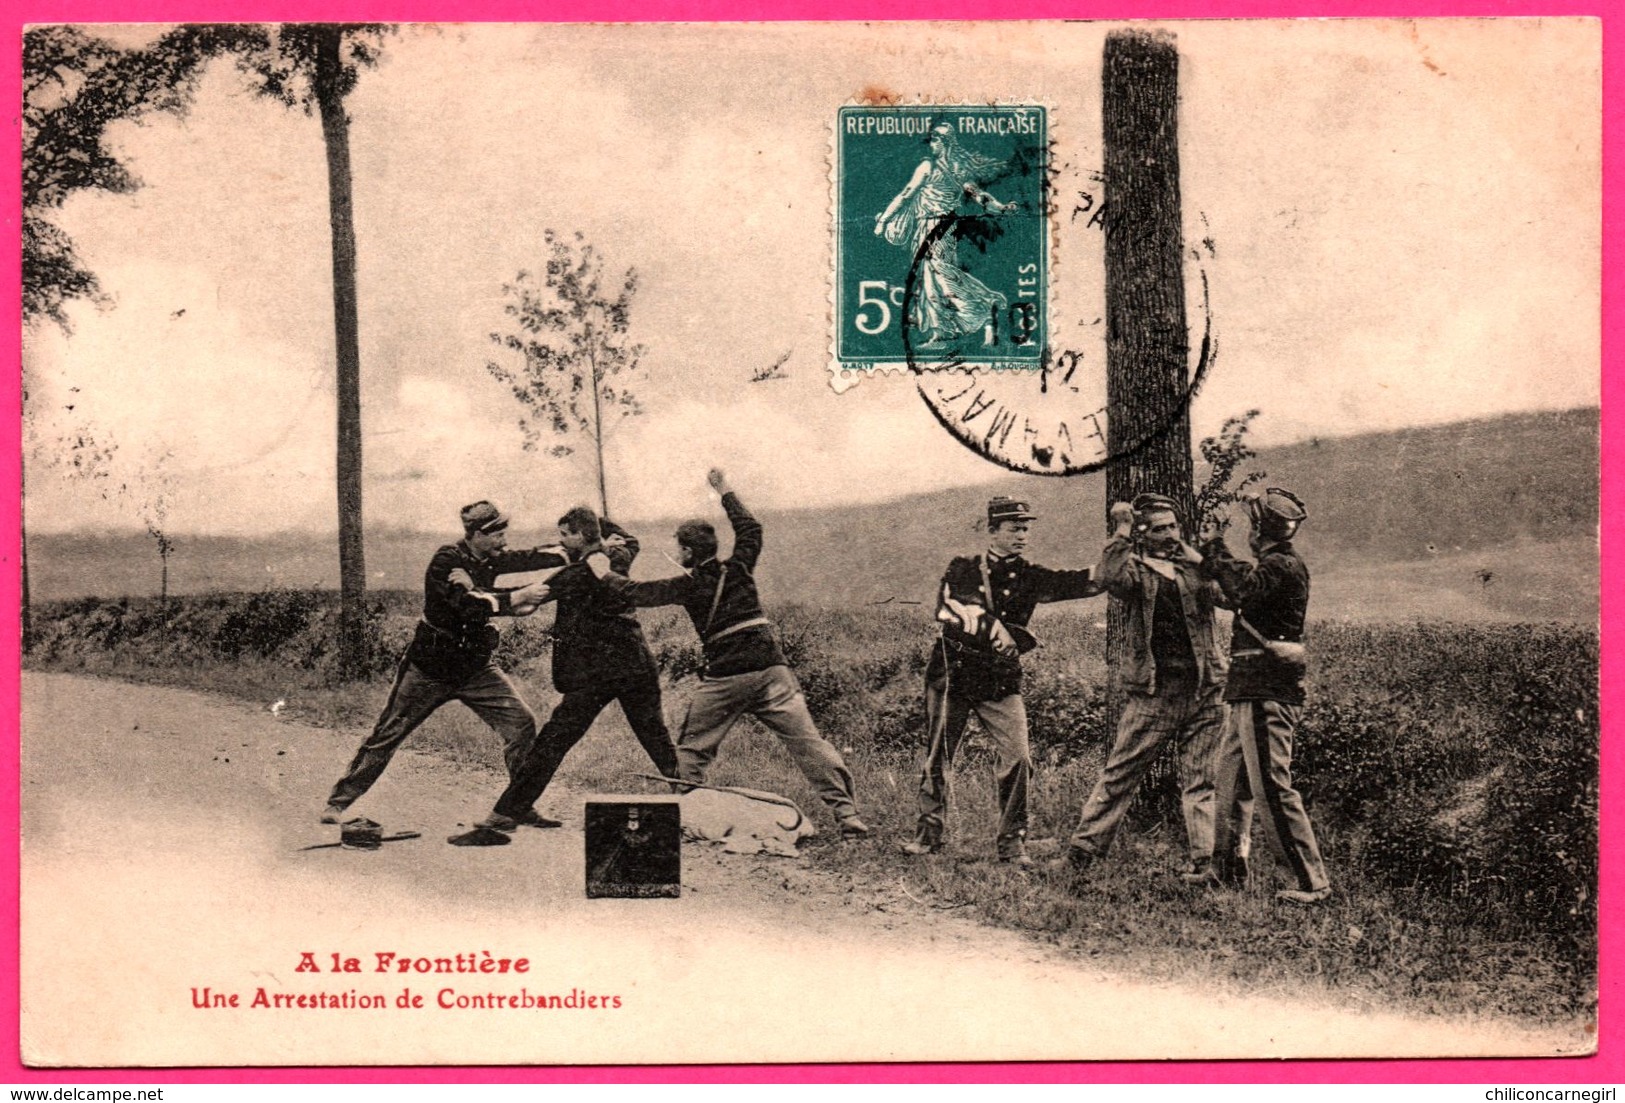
x: 941, y: 237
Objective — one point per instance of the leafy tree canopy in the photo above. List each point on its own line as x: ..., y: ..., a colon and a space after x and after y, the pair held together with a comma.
x: 76, y: 86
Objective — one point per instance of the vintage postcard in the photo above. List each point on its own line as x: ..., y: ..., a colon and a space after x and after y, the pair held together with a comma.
x: 797, y: 543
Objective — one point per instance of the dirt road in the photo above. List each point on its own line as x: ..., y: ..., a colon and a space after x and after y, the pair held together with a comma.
x: 161, y: 869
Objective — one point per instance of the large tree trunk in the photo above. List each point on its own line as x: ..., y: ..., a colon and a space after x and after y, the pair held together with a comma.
x: 1147, y: 344
x: 352, y: 561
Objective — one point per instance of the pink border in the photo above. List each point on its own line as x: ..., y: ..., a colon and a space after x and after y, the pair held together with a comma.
x: 1607, y: 1067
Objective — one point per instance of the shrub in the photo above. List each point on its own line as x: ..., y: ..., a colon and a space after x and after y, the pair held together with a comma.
x: 263, y: 623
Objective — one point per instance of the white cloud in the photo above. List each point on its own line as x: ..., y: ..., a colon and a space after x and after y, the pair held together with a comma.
x: 246, y: 420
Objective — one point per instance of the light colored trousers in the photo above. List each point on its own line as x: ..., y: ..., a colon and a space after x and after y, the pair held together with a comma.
x: 1192, y: 715
x: 413, y: 698
x: 1254, y: 768
x: 1005, y: 721
x: 774, y: 697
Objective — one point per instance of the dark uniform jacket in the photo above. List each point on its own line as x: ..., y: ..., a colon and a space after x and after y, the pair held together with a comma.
x: 1126, y: 575
x: 1274, y: 598
x: 455, y: 639
x: 965, y: 652
x: 719, y: 595
x: 597, y: 640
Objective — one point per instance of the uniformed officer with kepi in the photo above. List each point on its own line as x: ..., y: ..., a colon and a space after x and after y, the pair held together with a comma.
x: 984, y: 605
x: 450, y: 657
x: 1267, y: 665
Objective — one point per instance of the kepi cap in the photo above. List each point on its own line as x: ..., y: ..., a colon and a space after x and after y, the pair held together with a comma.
x: 483, y: 516
x: 1148, y: 503
x: 1277, y: 512
x: 1002, y: 509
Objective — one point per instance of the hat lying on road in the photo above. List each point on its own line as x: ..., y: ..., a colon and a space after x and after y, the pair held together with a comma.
x: 362, y: 834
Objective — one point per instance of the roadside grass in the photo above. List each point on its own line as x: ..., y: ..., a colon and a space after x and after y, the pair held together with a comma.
x: 1451, y: 770
x: 1370, y: 946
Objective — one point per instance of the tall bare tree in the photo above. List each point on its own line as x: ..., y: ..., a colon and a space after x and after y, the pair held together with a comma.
x: 314, y: 67
x: 576, y: 358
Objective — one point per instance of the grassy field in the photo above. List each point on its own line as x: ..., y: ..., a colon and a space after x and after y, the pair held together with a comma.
x: 1451, y: 770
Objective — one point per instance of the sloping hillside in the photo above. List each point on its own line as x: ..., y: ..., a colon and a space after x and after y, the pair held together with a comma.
x: 1494, y: 518
x: 1515, y: 497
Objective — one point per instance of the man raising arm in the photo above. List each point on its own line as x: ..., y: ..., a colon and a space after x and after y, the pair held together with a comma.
x: 746, y: 673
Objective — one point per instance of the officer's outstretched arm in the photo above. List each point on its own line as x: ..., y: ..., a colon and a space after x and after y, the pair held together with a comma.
x: 644, y: 595
x: 527, y: 599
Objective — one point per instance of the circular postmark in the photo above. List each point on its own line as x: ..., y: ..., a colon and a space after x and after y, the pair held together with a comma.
x: 1050, y: 417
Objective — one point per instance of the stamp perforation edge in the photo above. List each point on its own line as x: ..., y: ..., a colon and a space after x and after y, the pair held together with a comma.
x: 844, y: 376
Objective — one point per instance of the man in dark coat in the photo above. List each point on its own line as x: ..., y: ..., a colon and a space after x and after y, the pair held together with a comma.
x: 599, y: 656
x: 984, y: 605
x: 1271, y: 600
x: 746, y: 673
x: 450, y: 656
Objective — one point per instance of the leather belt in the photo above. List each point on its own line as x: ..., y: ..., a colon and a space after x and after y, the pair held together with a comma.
x: 754, y: 622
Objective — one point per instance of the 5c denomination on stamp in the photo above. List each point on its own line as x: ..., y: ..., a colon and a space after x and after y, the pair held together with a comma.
x: 941, y: 237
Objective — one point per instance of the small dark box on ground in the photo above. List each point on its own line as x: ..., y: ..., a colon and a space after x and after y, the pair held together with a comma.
x: 634, y: 848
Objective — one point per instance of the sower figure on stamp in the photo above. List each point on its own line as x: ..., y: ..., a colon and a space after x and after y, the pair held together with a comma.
x: 746, y: 673
x: 450, y: 656
x: 599, y: 656
x: 984, y: 604
x: 1271, y: 600
x: 951, y: 302
x: 1173, y: 675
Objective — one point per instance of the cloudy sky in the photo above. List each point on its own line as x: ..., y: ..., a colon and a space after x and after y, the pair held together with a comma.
x: 1404, y: 217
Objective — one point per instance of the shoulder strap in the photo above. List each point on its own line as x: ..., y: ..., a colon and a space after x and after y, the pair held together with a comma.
x: 716, y: 600
x: 987, y: 584
x: 1251, y: 631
